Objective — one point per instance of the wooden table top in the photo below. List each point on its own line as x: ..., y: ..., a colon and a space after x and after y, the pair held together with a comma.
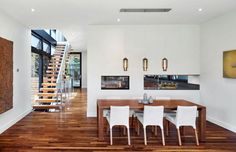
x: 133, y: 103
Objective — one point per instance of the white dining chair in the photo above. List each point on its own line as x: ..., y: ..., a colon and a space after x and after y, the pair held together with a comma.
x: 152, y: 116
x: 185, y: 116
x: 119, y: 115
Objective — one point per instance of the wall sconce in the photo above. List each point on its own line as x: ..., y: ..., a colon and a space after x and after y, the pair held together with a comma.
x: 145, y: 64
x: 125, y: 64
x: 164, y: 64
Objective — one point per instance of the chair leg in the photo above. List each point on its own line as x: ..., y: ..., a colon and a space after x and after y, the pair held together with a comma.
x: 128, y: 136
x: 179, y: 138
x: 124, y: 130
x: 132, y: 120
x: 145, y: 135
x: 196, y: 136
x: 163, y: 137
x: 138, y: 128
x: 107, y: 129
x: 155, y: 128
x: 111, y: 136
x: 152, y: 128
x: 167, y: 126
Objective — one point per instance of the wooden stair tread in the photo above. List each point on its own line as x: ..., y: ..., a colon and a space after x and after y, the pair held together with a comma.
x: 47, y: 94
x: 53, y: 67
x: 46, y: 106
x: 50, y: 80
x: 52, y: 75
x: 49, y: 84
x: 48, y: 89
x: 46, y: 100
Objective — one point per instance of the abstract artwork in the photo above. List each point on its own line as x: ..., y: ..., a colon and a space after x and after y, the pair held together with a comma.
x: 229, y: 64
x: 6, y: 75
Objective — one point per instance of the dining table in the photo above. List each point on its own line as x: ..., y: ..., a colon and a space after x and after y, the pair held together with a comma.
x: 103, y: 104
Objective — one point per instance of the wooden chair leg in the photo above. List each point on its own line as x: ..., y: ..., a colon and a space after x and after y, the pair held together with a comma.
x: 145, y: 135
x: 132, y: 120
x: 155, y: 127
x: 167, y: 126
x: 196, y: 136
x: 124, y: 130
x: 179, y: 138
x: 163, y: 137
x: 128, y: 133
x: 152, y: 128
x: 107, y: 129
x: 111, y: 142
x: 138, y: 128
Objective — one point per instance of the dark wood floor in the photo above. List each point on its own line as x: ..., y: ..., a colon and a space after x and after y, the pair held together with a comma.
x: 72, y: 131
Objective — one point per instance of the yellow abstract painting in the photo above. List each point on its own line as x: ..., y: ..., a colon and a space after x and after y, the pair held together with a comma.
x: 229, y: 64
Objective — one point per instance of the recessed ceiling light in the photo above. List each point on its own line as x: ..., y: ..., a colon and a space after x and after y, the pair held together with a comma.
x: 200, y: 9
x: 118, y: 19
x: 32, y: 9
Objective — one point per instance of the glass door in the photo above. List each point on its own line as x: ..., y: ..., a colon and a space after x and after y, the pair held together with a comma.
x: 75, y: 69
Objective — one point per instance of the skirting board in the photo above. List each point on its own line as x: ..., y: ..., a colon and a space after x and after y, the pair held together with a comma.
x: 11, y: 123
x: 222, y: 124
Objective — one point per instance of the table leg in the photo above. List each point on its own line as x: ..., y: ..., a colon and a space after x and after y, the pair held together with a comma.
x: 202, y: 124
x: 100, y: 124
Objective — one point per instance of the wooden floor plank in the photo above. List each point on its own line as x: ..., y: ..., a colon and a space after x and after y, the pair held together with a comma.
x: 71, y: 130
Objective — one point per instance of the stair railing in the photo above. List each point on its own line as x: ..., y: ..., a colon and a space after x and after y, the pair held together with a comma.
x: 60, y: 83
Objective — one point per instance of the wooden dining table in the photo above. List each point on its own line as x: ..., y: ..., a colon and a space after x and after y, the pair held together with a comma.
x: 103, y: 104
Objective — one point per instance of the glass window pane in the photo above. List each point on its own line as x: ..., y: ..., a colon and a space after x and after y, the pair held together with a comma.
x: 35, y: 42
x: 53, y: 49
x: 46, y: 47
x: 45, y: 65
x: 53, y: 34
x: 34, y: 74
x: 47, y: 31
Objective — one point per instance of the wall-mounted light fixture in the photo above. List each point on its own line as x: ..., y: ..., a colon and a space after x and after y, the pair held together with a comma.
x: 125, y: 64
x: 164, y: 64
x: 145, y: 64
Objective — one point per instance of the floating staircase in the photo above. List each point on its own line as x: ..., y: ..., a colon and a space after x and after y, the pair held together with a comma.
x: 48, y: 96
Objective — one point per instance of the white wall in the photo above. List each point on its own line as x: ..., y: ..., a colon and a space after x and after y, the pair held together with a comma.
x: 218, y: 93
x: 108, y: 45
x: 84, y: 69
x: 20, y: 35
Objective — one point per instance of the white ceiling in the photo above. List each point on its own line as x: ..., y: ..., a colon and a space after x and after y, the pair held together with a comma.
x: 73, y: 16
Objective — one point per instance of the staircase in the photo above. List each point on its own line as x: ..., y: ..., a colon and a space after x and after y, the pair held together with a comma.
x: 49, y: 96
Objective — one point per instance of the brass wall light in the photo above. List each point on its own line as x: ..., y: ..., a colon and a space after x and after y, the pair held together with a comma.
x: 125, y: 64
x: 164, y: 64
x: 145, y: 64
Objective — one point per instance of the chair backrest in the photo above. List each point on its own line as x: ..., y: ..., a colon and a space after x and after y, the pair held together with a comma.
x: 163, y: 98
x: 186, y: 116
x: 153, y: 115
x: 119, y: 115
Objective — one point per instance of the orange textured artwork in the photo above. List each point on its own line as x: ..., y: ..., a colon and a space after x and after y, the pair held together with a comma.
x: 229, y: 64
x: 6, y: 75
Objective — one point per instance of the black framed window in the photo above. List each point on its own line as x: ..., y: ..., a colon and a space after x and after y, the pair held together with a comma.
x: 41, y: 53
x: 36, y: 42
